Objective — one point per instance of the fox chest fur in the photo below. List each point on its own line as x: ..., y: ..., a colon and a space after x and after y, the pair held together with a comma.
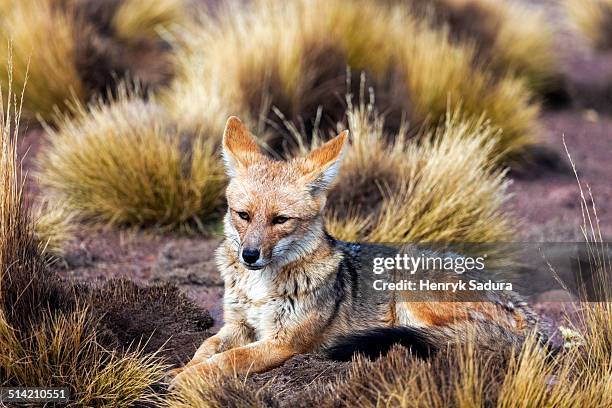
x: 269, y: 301
x: 281, y: 303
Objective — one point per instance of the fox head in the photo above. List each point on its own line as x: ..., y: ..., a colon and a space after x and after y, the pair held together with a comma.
x: 275, y: 207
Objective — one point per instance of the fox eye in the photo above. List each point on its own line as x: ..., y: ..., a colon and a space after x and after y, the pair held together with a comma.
x: 279, y: 220
x: 243, y: 215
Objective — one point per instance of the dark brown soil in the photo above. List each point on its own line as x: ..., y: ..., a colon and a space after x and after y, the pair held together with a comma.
x: 155, y: 318
x: 298, y: 375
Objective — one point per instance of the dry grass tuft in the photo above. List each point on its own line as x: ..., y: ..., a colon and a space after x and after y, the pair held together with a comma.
x: 240, y: 62
x: 216, y: 391
x: 462, y: 377
x: 54, y: 226
x: 508, y: 36
x: 126, y: 163
x: 136, y: 20
x: 594, y: 19
x: 443, y: 188
x: 77, y: 49
x: 595, y: 319
x: 63, y: 350
x: 467, y: 377
x: 47, y: 61
x: 47, y: 338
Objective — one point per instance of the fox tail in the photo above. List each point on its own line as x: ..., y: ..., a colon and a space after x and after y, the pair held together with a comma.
x: 424, y: 341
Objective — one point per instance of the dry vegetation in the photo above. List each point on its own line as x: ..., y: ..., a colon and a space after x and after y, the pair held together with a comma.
x: 54, y: 226
x: 125, y: 163
x: 76, y: 49
x: 153, y: 163
x: 465, y: 376
x: 135, y: 20
x: 524, y: 48
x: 58, y: 333
x: 52, y: 70
x: 133, y: 159
x: 238, y: 61
x: 594, y: 19
x: 47, y: 337
x: 443, y: 188
x: 218, y: 392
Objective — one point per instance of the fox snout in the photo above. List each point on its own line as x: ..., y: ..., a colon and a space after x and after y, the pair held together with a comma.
x: 253, y: 251
x: 251, y: 258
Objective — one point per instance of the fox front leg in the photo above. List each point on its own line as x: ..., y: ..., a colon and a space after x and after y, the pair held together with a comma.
x: 229, y: 336
x: 255, y: 357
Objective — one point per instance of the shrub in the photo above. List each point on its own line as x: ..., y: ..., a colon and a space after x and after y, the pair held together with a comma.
x: 443, y: 188
x: 63, y: 351
x: 239, y: 62
x: 77, y: 49
x: 468, y: 377
x: 594, y: 19
x: 54, y: 226
x: 50, y: 70
x: 508, y: 36
x: 126, y: 163
x: 135, y: 20
x: 47, y: 338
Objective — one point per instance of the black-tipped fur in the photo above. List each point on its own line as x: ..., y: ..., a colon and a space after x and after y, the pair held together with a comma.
x: 377, y: 342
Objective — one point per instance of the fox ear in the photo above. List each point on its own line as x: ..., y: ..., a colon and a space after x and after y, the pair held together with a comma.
x: 239, y: 147
x: 322, y: 164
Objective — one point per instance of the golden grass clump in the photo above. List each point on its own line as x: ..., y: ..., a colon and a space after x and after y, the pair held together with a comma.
x: 467, y: 377
x: 44, y: 53
x: 595, y: 318
x: 443, y: 78
x: 463, y: 376
x: 239, y: 62
x: 125, y: 163
x: 443, y: 188
x: 216, y: 391
x: 135, y: 19
x: 63, y: 350
x: 47, y: 338
x: 594, y: 19
x: 508, y: 36
x: 54, y: 226
x: 77, y: 49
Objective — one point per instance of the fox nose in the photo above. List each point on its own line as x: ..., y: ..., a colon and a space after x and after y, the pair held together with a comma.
x: 250, y: 255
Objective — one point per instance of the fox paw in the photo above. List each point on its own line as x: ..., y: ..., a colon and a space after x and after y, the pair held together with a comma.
x: 204, y: 369
x: 172, y: 374
x: 178, y: 377
x: 175, y: 371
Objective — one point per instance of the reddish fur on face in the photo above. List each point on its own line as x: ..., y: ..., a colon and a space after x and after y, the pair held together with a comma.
x: 239, y: 145
x: 265, y: 189
x: 323, y: 157
x: 259, y: 193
